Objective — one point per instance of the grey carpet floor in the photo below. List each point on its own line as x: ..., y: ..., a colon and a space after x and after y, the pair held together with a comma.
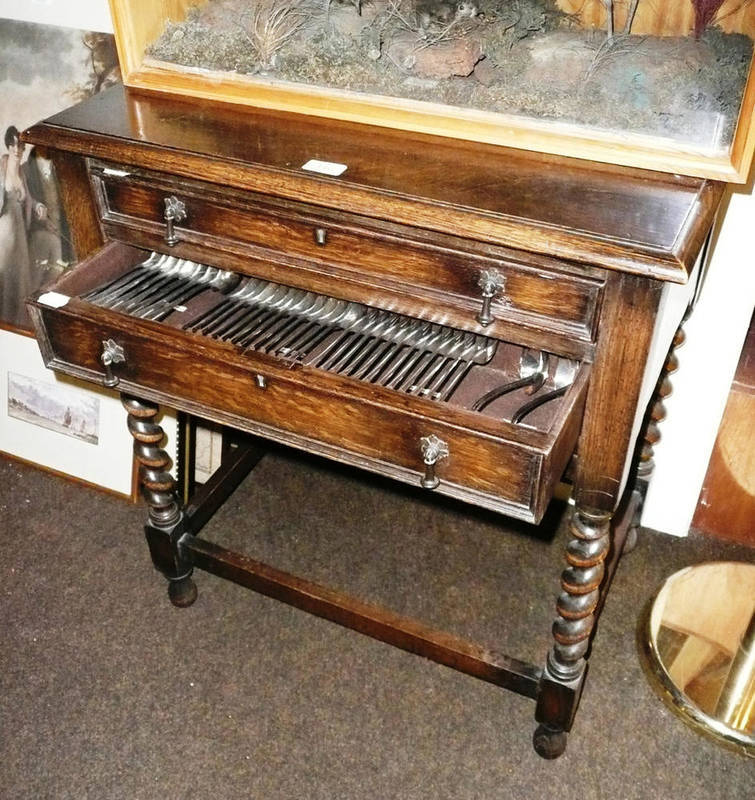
x: 107, y: 691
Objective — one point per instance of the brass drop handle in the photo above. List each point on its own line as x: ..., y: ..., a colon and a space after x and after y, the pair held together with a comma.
x: 175, y: 211
x: 112, y: 353
x: 433, y: 450
x: 321, y: 236
x: 491, y: 282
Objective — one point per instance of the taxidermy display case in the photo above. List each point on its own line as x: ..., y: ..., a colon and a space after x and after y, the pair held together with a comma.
x: 662, y: 85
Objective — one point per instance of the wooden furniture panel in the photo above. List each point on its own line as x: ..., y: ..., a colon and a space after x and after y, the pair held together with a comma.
x: 409, y: 227
x: 726, y: 507
x: 371, y: 252
x: 491, y: 462
x: 620, y: 218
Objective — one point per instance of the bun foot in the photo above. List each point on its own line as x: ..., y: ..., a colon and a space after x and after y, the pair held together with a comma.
x: 182, y: 592
x: 549, y: 742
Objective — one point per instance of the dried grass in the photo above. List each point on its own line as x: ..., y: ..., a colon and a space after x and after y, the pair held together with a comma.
x: 270, y: 25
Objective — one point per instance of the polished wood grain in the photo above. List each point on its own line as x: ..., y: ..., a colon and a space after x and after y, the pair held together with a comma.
x: 656, y: 413
x: 370, y: 254
x: 492, y: 463
x: 612, y: 416
x: 552, y: 334
x: 558, y: 698
x: 452, y: 122
x: 81, y: 212
x: 166, y: 514
x: 623, y: 219
x: 586, y: 250
x: 726, y: 508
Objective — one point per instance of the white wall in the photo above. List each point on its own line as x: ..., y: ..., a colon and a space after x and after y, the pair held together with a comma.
x: 88, y: 15
x: 707, y: 361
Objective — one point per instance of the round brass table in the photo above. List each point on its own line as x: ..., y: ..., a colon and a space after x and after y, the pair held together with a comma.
x: 697, y: 639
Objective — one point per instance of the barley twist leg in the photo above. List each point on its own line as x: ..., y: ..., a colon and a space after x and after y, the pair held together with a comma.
x: 561, y: 686
x: 652, y: 434
x: 165, y: 524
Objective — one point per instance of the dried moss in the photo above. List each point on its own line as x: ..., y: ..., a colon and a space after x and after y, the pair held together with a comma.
x: 536, y: 62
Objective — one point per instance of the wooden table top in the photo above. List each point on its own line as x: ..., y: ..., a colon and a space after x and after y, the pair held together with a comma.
x: 616, y: 217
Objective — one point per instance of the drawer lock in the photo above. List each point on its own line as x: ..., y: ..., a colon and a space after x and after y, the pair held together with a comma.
x: 491, y: 282
x: 112, y: 353
x: 321, y: 236
x: 175, y: 211
x: 433, y: 450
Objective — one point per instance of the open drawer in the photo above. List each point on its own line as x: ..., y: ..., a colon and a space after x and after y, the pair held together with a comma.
x: 481, y: 287
x: 463, y: 414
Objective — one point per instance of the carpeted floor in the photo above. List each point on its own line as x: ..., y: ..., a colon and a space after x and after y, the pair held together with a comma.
x: 107, y: 691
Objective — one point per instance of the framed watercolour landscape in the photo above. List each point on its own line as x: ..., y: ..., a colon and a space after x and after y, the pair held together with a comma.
x: 61, y: 424
x: 659, y: 85
x: 58, y: 408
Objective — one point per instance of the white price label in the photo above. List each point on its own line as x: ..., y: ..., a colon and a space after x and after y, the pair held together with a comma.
x: 54, y: 299
x: 325, y: 167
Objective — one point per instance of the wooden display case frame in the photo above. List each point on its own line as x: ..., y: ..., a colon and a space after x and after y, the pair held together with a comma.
x: 139, y: 22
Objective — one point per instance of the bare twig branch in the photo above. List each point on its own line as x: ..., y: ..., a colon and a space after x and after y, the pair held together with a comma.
x: 631, y: 13
x: 394, y: 10
x: 442, y: 36
x: 611, y: 49
x: 608, y: 4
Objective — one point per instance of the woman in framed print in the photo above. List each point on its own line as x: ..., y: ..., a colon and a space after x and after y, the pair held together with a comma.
x: 16, y: 209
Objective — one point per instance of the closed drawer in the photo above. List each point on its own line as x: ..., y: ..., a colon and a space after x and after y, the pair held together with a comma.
x: 316, y: 399
x: 420, y: 273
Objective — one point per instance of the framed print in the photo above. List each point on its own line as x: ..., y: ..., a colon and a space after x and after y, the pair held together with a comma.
x: 43, y: 69
x: 663, y: 85
x: 54, y: 406
x: 61, y: 424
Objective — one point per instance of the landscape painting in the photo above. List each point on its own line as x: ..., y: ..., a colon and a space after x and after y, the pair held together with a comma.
x: 54, y: 407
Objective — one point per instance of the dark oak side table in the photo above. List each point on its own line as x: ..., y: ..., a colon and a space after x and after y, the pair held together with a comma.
x: 472, y: 319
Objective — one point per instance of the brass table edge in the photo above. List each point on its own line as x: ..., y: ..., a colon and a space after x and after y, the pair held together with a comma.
x: 675, y: 700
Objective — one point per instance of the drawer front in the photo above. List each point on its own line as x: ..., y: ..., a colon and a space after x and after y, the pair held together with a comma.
x: 439, y: 275
x: 294, y: 407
